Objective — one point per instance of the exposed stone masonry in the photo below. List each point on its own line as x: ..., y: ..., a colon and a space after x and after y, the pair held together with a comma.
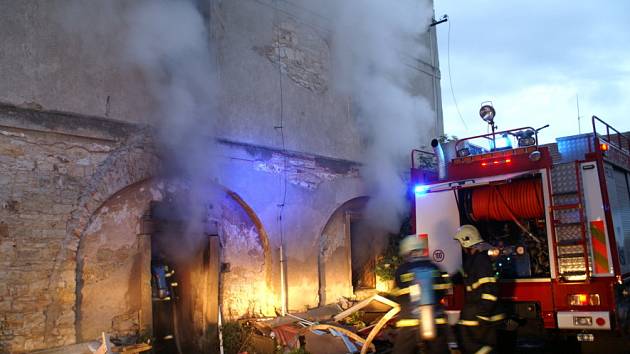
x: 50, y: 183
x: 303, y: 56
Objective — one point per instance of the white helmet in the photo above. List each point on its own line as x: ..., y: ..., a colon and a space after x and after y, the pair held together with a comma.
x: 412, y: 243
x: 468, y: 236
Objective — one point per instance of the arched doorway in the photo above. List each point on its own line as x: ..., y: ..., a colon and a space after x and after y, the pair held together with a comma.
x: 115, y: 253
x: 343, y: 259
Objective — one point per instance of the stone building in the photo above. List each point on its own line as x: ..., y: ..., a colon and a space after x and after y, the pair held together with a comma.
x: 81, y: 190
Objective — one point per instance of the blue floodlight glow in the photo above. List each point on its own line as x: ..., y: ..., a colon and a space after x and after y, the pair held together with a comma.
x: 420, y: 189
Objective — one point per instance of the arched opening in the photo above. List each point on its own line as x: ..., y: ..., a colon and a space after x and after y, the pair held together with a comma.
x: 118, y: 249
x: 342, y: 262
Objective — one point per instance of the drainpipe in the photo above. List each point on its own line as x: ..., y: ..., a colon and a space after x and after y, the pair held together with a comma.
x: 283, y: 281
x: 439, y: 154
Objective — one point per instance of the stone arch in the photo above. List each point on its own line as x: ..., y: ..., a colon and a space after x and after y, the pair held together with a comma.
x: 133, y: 161
x: 110, y: 264
x: 116, y: 258
x: 335, y: 270
x: 247, y: 288
x: 264, y: 237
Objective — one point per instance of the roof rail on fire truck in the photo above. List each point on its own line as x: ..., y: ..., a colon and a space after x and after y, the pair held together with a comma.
x: 622, y: 142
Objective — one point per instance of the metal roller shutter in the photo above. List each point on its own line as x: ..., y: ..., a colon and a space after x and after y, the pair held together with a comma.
x: 622, y: 218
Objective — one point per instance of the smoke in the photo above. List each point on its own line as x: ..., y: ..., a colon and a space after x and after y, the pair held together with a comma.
x: 168, y: 43
x: 376, y: 45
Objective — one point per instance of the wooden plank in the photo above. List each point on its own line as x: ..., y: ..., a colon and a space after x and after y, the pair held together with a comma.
x: 326, y: 327
x: 212, y: 298
x: 379, y: 325
x: 340, y: 316
x: 145, y: 313
x: 133, y: 348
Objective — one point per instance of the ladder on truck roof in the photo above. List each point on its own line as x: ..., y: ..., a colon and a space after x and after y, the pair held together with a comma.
x: 569, y: 222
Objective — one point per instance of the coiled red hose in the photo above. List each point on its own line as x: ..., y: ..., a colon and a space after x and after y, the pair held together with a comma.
x: 521, y: 199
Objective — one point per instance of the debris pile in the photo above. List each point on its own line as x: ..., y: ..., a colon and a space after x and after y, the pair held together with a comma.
x: 345, y: 327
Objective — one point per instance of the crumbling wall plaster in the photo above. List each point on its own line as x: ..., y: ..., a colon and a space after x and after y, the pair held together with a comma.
x: 246, y: 288
x: 109, y: 293
x: 302, y: 53
x: 303, y: 171
x: 67, y: 192
x: 335, y: 256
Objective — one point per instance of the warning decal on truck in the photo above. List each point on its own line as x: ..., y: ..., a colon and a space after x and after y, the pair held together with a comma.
x: 600, y: 253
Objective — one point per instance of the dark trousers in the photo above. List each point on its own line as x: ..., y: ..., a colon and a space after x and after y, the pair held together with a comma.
x: 408, y: 341
x: 477, y: 339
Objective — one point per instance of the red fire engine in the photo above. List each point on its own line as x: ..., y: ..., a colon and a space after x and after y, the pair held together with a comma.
x: 557, y: 216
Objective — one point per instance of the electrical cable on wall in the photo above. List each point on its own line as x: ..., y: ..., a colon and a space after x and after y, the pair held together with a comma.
x: 280, y: 128
x: 450, y: 77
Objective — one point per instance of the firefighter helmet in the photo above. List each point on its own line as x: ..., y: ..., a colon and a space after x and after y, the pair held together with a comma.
x: 412, y: 243
x: 468, y: 236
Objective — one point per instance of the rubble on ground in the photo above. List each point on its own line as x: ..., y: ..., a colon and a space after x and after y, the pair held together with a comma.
x: 349, y: 326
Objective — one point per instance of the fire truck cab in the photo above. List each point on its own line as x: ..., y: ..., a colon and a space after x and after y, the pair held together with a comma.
x: 556, y: 215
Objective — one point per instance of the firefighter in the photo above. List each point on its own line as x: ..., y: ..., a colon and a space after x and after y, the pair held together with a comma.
x: 422, y: 324
x: 480, y: 317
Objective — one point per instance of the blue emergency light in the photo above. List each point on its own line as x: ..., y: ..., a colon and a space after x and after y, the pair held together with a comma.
x: 420, y: 189
x: 501, y: 143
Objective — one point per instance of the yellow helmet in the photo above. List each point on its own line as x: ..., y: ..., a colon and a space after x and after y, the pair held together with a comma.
x: 468, y: 236
x: 412, y: 243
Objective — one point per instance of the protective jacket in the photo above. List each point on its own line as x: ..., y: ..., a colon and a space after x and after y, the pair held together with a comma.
x: 481, y: 313
x: 406, y: 275
x: 420, y: 275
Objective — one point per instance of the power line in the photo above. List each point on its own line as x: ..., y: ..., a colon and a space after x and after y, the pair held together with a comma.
x: 450, y: 77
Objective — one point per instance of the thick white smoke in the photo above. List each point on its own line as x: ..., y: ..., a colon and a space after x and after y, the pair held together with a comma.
x: 167, y: 41
x: 376, y: 45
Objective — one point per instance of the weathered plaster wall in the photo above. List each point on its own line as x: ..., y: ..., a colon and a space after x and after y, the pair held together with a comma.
x: 67, y: 188
x: 335, y: 258
x: 109, y: 256
x: 109, y: 266
x: 246, y: 288
x: 315, y: 188
x: 42, y: 66
x: 57, y: 169
x: 46, y: 66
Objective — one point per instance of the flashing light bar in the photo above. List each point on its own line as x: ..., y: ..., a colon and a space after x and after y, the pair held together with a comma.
x: 502, y: 142
x: 495, y: 162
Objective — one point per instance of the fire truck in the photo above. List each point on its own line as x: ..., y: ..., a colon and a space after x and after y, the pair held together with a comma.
x: 556, y: 215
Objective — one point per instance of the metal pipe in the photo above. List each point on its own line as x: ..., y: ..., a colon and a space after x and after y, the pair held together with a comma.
x: 283, y: 282
x: 439, y: 154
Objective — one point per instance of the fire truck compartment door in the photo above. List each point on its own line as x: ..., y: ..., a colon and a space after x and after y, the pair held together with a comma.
x: 601, y: 260
x: 437, y: 216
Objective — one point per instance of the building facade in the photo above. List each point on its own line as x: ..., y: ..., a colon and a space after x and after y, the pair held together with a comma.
x: 82, y: 187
